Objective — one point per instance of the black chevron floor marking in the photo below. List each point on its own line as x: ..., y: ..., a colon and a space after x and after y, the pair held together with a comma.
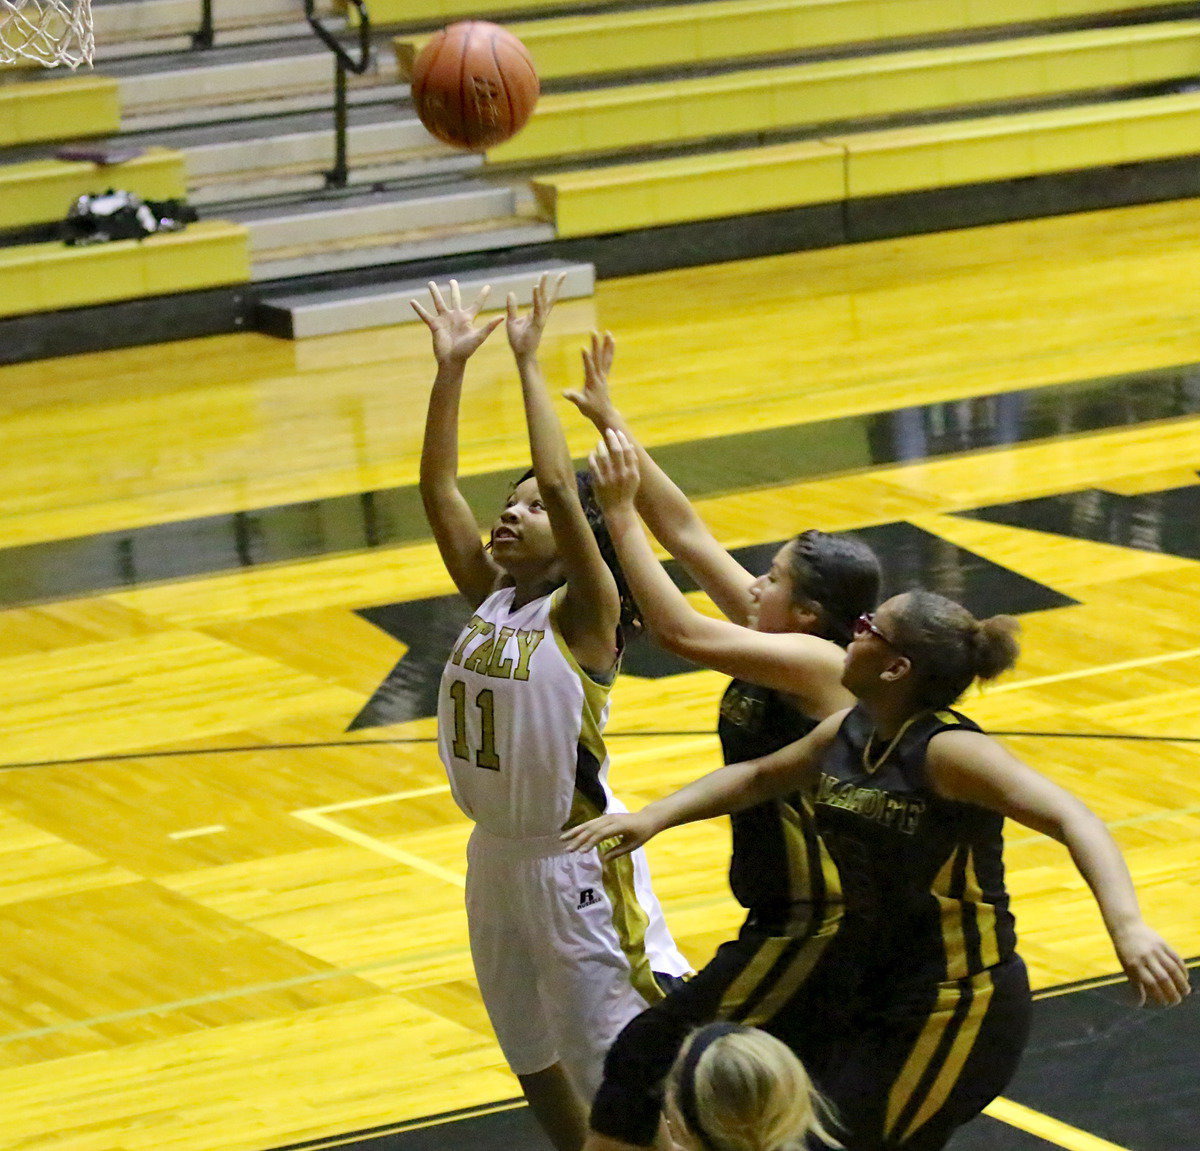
x: 58, y: 569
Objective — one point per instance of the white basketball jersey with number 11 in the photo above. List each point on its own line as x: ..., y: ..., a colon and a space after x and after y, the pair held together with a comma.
x: 520, y: 722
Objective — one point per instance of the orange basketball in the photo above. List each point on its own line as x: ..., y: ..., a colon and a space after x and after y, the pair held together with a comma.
x: 474, y: 85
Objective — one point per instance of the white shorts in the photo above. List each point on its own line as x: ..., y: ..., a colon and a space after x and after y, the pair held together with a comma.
x: 565, y: 950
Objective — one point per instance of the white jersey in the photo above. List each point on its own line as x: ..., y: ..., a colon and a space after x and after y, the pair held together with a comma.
x: 520, y: 723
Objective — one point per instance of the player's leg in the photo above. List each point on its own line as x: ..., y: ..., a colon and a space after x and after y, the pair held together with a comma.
x: 556, y: 1106
x: 498, y: 923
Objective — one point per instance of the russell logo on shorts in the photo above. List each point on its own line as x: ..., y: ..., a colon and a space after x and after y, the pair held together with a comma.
x: 587, y: 898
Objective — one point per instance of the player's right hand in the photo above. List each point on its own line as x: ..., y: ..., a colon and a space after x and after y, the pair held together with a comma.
x: 1154, y: 968
x: 626, y: 830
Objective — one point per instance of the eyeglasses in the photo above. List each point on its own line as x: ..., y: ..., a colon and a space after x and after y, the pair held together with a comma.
x: 865, y: 625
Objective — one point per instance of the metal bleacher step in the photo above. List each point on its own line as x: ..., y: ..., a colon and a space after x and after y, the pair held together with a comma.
x: 374, y: 250
x: 348, y: 231
x: 242, y: 81
x: 298, y: 317
x: 121, y: 23
x: 248, y: 161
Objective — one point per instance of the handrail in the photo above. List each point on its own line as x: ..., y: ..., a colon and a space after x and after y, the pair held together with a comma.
x: 343, y: 62
x: 205, y: 36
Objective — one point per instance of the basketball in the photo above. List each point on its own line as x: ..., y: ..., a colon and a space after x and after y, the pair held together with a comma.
x: 474, y: 85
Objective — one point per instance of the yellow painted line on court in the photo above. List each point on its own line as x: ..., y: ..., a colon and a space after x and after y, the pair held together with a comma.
x: 316, y: 819
x: 193, y: 832
x: 1044, y: 1127
x: 1084, y: 673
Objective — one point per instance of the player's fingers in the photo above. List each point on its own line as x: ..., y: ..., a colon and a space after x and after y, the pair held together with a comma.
x: 1163, y: 986
x: 609, y: 351
x: 627, y: 845
x: 455, y: 296
x: 491, y: 326
x: 477, y: 306
x: 422, y: 312
x: 438, y: 302
x: 511, y: 306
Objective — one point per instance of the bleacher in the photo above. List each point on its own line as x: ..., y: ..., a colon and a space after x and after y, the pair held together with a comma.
x: 805, y: 121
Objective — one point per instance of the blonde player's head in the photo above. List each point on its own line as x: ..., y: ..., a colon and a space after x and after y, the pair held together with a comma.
x: 736, y: 1088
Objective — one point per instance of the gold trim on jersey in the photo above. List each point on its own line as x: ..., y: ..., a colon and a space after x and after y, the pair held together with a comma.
x: 595, y: 694
x: 929, y: 1043
x: 629, y: 918
x: 754, y: 975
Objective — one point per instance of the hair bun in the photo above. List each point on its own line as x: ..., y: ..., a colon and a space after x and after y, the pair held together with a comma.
x: 994, y: 645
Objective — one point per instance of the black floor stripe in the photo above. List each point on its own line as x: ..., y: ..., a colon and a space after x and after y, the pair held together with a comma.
x: 402, y: 741
x: 65, y: 568
x: 1094, y: 1062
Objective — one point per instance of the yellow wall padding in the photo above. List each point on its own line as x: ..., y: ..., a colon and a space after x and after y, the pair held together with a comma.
x: 673, y: 35
x: 48, y: 277
x: 691, y: 188
x: 41, y: 191
x: 1023, y: 144
x: 38, y: 110
x: 777, y: 99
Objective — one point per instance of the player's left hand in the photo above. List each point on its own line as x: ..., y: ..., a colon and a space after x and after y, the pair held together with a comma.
x: 593, y: 399
x: 525, y: 331
x: 627, y: 829
x: 1152, y: 965
x: 614, y: 467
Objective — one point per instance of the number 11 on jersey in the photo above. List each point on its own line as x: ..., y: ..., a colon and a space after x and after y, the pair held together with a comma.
x: 486, y: 756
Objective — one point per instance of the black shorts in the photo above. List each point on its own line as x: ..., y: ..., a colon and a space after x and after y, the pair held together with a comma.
x: 789, y: 986
x: 920, y: 1059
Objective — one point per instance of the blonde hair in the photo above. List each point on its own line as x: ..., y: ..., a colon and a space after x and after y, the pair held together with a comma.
x: 740, y: 1089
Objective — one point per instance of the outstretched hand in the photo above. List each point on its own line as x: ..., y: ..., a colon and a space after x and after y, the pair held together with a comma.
x: 525, y: 331
x: 629, y: 830
x: 1153, y: 967
x: 614, y: 467
x: 593, y: 400
x: 455, y: 336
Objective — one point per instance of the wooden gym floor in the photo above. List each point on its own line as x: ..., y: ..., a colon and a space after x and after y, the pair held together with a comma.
x: 230, y: 894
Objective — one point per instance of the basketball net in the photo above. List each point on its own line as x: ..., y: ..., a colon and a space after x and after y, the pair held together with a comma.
x: 50, y: 32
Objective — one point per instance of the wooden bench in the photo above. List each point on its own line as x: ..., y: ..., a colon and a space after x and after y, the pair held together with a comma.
x: 862, y: 87
x: 49, y: 277
x: 33, y: 111
x: 678, y: 35
x: 41, y: 191
x: 857, y: 165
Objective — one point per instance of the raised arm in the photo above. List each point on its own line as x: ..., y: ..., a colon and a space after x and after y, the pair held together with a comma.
x: 721, y: 792
x: 803, y: 665
x: 455, y: 340
x: 973, y: 768
x: 591, y: 607
x: 660, y: 502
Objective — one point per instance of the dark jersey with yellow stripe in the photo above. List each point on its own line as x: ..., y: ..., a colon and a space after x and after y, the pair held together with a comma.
x: 778, y: 863
x: 925, y: 872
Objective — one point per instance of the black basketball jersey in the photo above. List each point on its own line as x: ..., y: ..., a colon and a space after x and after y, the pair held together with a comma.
x: 778, y: 870
x: 926, y: 873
